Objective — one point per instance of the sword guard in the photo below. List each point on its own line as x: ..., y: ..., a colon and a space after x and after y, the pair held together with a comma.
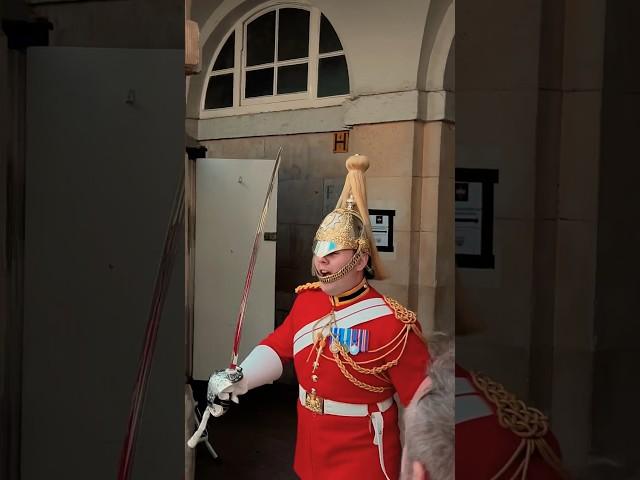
x: 221, y: 380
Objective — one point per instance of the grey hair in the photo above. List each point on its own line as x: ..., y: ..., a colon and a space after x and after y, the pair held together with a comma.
x: 429, y: 421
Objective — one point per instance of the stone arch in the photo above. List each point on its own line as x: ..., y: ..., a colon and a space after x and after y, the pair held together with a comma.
x: 450, y: 69
x: 437, y: 45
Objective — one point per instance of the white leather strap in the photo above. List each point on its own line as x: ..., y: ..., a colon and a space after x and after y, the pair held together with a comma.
x: 463, y: 386
x: 351, y: 316
x: 378, y: 428
x: 342, y: 409
x: 469, y: 404
x: 471, y: 407
x: 212, y: 410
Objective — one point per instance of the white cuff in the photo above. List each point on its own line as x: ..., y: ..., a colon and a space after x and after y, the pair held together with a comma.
x: 262, y: 366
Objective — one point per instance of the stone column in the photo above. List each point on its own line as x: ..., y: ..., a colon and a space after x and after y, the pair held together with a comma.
x: 432, y: 229
x: 567, y: 170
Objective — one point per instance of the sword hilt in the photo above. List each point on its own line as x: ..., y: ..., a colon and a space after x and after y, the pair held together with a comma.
x: 219, y: 380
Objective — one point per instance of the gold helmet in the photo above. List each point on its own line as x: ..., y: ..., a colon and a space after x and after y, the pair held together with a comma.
x: 348, y: 227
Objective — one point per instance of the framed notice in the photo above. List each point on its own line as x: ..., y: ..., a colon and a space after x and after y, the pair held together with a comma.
x: 474, y: 217
x: 382, y: 228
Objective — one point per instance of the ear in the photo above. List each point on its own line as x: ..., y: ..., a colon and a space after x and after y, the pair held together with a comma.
x: 418, y: 471
x: 362, y: 262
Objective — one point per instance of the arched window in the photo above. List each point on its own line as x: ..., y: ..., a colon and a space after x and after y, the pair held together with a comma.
x: 284, y: 54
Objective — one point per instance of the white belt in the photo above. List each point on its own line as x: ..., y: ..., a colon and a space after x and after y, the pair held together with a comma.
x: 331, y: 407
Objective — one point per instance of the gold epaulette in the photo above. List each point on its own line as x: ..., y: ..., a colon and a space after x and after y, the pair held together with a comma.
x: 528, y: 423
x: 401, y: 312
x: 307, y: 286
x: 406, y: 316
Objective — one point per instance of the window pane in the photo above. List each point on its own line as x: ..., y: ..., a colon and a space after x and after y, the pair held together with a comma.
x: 329, y: 41
x: 292, y: 78
x: 259, y: 83
x: 293, y: 34
x: 261, y: 39
x: 225, y: 57
x: 333, y: 77
x: 219, y: 92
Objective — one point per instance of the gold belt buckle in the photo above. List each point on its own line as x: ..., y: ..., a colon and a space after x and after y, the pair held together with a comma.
x: 313, y: 402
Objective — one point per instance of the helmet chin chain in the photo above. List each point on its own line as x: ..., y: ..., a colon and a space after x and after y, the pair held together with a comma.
x: 344, y: 270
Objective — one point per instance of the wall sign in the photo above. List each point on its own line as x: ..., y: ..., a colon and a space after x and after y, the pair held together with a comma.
x: 382, y: 228
x: 341, y: 142
x: 474, y: 217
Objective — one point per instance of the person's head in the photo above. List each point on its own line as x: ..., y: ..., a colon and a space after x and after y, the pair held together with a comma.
x: 344, y: 267
x: 429, y: 421
x: 343, y: 248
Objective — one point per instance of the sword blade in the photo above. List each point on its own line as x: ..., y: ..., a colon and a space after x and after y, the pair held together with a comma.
x: 252, y: 263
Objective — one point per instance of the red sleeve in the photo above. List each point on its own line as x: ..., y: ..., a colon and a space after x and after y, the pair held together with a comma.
x: 411, y: 369
x: 281, y: 339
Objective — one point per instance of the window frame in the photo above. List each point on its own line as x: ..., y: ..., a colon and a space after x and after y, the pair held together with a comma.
x: 276, y: 102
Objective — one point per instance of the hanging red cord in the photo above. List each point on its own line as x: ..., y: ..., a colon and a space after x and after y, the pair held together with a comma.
x: 157, y: 303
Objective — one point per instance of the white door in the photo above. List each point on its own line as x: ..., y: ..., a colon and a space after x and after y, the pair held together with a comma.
x: 229, y: 198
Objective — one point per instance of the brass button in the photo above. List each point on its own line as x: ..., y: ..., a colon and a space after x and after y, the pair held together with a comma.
x: 314, y: 378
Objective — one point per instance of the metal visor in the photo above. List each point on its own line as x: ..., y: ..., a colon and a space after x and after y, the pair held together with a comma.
x: 322, y: 248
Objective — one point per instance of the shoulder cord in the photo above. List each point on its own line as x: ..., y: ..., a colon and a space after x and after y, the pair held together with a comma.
x: 307, y: 286
x: 341, y: 355
x: 528, y: 423
x: 406, y: 316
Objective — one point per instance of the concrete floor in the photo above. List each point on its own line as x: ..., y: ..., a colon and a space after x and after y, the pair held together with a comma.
x: 255, y: 439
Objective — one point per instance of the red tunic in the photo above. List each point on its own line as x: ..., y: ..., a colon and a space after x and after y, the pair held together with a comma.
x: 339, y: 447
x: 483, y: 446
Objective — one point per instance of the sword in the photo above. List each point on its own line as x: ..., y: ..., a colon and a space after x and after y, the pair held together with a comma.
x: 252, y: 263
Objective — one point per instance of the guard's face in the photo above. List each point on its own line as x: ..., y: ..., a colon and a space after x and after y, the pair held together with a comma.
x: 333, y: 262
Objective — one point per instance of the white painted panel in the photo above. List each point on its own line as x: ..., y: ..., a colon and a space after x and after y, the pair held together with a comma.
x: 230, y: 196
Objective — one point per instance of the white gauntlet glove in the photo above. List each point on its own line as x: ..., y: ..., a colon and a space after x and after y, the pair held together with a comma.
x: 262, y: 365
x: 227, y: 384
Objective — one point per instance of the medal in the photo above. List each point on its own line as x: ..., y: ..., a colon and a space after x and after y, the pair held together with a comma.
x: 354, y: 349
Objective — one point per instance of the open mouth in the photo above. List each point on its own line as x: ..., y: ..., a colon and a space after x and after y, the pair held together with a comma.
x: 324, y: 272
